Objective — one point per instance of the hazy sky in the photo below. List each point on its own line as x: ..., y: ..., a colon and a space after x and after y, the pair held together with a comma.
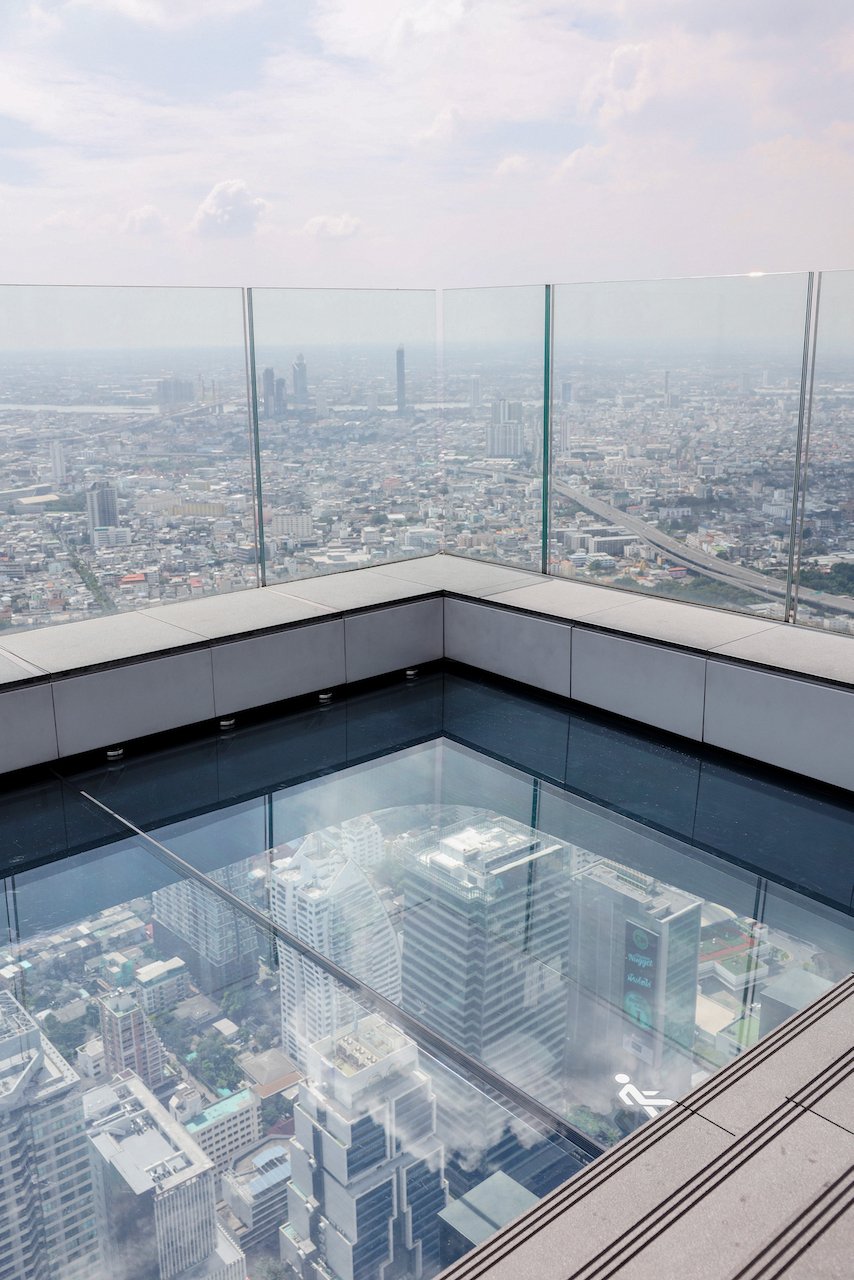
x: 422, y: 142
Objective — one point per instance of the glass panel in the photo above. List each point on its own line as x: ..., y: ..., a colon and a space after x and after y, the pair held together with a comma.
x: 348, y: 408
x: 154, y: 1124
x: 525, y: 873
x: 826, y: 579
x: 674, y: 436
x: 126, y: 477
x: 493, y: 353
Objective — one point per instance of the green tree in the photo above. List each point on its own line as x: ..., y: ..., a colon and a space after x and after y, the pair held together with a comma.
x: 268, y: 1269
x: 66, y: 1036
x: 276, y: 1108
x: 215, y: 1064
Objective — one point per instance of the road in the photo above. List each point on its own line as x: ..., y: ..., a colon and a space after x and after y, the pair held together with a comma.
x: 732, y: 575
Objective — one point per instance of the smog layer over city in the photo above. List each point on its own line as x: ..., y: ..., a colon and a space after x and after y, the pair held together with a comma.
x: 131, y: 477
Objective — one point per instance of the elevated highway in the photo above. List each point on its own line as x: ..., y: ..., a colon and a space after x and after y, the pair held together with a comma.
x: 732, y: 575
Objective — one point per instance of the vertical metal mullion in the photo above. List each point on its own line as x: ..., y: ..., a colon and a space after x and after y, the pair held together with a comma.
x: 548, y: 357
x: 439, y: 354
x: 799, y: 546
x: 254, y: 435
x: 799, y: 444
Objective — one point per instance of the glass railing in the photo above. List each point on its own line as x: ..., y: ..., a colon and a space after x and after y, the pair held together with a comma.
x: 493, y: 360
x: 674, y: 432
x: 686, y: 438
x: 824, y: 580
x: 348, y: 433
x: 126, y: 476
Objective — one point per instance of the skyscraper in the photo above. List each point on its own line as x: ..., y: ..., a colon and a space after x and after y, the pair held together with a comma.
x: 101, y: 506
x: 474, y: 391
x: 130, y: 1041
x: 328, y: 901
x: 173, y: 392
x: 219, y: 945
x: 634, y: 963
x: 157, y: 1190
x: 505, y: 440
x: 269, y: 392
x: 48, y: 1219
x: 361, y: 841
x: 300, y: 372
x: 401, y: 380
x: 367, y: 1181
x: 485, y: 939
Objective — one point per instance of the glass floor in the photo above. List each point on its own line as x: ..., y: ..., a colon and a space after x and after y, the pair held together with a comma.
x: 337, y: 994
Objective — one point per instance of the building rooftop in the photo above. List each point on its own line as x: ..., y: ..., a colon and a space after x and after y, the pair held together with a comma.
x: 219, y: 1110
x: 493, y: 1203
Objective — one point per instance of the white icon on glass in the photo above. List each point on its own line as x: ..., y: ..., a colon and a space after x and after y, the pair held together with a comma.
x: 648, y: 1099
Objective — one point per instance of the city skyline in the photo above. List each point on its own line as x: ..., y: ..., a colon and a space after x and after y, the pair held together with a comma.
x: 128, y: 476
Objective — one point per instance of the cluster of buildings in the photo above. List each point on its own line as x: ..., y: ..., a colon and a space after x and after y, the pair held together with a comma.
x: 557, y: 968
x: 137, y: 489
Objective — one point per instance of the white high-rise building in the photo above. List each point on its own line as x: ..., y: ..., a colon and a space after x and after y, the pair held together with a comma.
x: 162, y: 984
x: 362, y: 841
x: 48, y: 1220
x: 328, y: 902
x: 157, y: 1190
x: 219, y: 944
x: 505, y: 439
x: 485, y: 938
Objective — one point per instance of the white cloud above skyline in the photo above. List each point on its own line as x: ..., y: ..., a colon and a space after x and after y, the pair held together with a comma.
x: 333, y: 226
x: 229, y: 209
x: 437, y: 142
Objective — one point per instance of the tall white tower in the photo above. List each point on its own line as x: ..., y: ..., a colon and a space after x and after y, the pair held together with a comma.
x: 327, y: 901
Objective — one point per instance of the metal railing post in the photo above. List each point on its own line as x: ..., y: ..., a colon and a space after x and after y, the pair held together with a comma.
x: 799, y: 543
x: 797, y: 479
x: 254, y: 436
x: 548, y: 358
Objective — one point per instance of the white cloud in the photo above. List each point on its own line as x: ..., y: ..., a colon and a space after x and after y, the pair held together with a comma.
x: 229, y: 209
x: 168, y: 15
x: 333, y: 226
x: 444, y: 126
x: 633, y: 136
x: 383, y: 28
x: 587, y: 164
x: 64, y: 220
x: 512, y: 164
x: 145, y: 221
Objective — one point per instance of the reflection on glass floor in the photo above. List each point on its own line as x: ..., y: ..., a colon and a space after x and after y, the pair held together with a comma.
x: 338, y: 995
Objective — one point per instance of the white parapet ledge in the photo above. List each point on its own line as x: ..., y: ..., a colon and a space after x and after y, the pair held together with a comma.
x: 778, y: 694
